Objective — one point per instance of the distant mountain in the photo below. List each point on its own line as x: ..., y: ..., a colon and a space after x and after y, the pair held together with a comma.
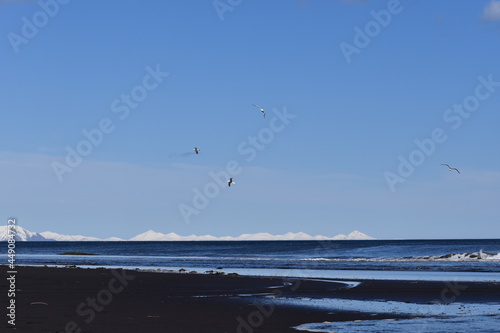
x: 157, y: 236
x: 21, y: 235
x: 74, y: 238
x: 355, y: 235
x: 26, y: 235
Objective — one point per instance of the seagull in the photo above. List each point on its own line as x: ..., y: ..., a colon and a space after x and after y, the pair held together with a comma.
x: 230, y: 181
x: 261, y: 110
x: 196, y: 150
x: 450, y: 168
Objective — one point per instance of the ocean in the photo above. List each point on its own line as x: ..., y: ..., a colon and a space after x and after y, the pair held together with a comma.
x: 451, y: 261
x: 479, y: 257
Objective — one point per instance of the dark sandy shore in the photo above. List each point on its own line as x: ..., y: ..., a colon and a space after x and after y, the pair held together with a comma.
x: 102, y: 300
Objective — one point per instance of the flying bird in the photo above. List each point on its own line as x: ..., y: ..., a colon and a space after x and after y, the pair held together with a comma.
x: 450, y: 168
x: 230, y: 181
x: 261, y: 110
x: 196, y: 150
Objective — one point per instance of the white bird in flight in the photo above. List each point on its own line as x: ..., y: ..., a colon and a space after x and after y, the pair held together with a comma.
x: 196, y: 150
x: 450, y: 168
x: 261, y: 110
x: 230, y: 181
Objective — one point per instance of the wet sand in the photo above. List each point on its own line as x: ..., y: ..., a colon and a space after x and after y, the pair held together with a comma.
x: 104, y: 300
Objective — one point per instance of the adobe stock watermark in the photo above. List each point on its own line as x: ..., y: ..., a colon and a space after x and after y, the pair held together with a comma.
x: 454, y: 116
x: 363, y: 36
x: 12, y: 271
x: 223, y: 6
x: 448, y: 295
x: 121, y: 107
x: 31, y: 26
x: 248, y: 148
x: 102, y: 299
x: 263, y: 309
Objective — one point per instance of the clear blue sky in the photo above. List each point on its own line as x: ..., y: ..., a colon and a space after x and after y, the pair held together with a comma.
x: 360, y: 81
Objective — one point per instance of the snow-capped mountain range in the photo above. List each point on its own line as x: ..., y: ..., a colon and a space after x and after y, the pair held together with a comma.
x: 157, y: 236
x: 58, y: 237
x: 26, y: 235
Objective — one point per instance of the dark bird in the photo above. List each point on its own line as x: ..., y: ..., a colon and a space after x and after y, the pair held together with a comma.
x: 450, y: 168
x: 196, y: 150
x: 230, y: 181
x: 261, y: 110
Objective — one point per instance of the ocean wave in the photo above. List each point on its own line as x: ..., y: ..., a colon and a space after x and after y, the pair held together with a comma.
x: 480, y: 256
x: 469, y: 256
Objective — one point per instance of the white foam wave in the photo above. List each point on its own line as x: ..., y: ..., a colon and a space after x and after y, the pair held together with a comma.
x: 469, y: 256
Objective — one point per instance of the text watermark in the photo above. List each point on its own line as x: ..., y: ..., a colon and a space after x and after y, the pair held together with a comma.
x: 454, y: 116
x: 11, y: 273
x: 363, y: 36
x: 31, y: 26
x: 223, y: 6
x: 98, y: 303
x: 250, y: 147
x: 95, y: 136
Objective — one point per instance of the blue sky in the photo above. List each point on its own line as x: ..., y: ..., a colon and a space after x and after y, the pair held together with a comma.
x: 364, y: 101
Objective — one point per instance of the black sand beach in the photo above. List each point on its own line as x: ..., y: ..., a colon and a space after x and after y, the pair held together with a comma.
x: 103, y: 300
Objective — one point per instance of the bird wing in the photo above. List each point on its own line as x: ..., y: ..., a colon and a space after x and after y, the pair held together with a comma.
x: 456, y: 170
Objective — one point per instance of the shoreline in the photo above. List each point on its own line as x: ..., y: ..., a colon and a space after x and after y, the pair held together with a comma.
x: 342, y: 274
x: 116, y: 300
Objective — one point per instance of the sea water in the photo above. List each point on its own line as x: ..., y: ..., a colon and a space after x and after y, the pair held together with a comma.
x: 438, y: 260
x: 409, y: 256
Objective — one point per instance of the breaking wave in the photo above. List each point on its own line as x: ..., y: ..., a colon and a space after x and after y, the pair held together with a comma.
x: 470, y: 256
